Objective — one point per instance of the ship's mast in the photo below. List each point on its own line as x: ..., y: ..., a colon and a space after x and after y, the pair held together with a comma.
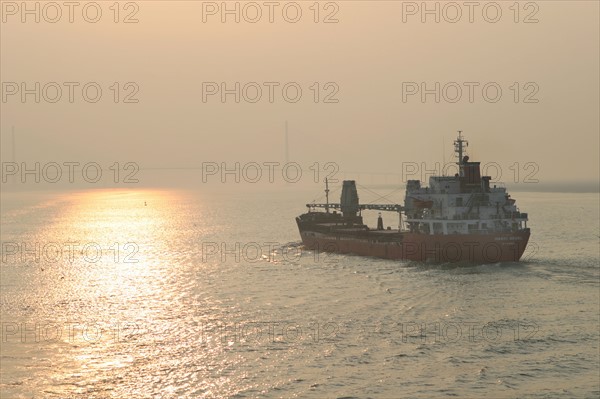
x: 326, y: 196
x: 459, y: 145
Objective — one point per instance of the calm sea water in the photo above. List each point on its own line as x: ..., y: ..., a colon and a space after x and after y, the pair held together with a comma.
x: 203, y: 295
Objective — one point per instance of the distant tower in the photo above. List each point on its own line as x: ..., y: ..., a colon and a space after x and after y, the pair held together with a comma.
x: 287, y: 149
x: 13, y: 150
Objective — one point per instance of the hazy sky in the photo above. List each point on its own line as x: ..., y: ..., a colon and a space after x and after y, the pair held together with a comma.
x: 371, y: 61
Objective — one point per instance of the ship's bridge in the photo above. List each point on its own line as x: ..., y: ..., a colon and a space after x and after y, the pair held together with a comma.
x: 463, y: 203
x: 444, y: 184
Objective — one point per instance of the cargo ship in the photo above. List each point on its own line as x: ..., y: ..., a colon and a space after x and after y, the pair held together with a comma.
x: 460, y: 218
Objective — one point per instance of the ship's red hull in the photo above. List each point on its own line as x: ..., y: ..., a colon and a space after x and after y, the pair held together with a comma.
x: 477, y: 248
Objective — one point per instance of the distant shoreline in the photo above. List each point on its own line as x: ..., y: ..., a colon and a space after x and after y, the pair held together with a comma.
x: 216, y: 187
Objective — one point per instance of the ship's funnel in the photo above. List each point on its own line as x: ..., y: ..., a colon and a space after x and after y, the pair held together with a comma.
x: 349, y: 199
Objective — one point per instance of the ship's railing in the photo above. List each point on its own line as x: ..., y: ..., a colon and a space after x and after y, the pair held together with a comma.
x: 330, y: 206
x: 375, y: 207
x: 474, y: 231
x: 496, y: 216
x: 399, y: 208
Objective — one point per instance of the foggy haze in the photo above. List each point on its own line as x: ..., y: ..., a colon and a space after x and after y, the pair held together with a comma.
x: 363, y: 114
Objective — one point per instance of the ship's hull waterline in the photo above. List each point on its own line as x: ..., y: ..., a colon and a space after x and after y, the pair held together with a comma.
x: 475, y: 248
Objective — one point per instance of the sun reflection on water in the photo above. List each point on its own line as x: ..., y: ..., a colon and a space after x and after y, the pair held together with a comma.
x: 117, y: 282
